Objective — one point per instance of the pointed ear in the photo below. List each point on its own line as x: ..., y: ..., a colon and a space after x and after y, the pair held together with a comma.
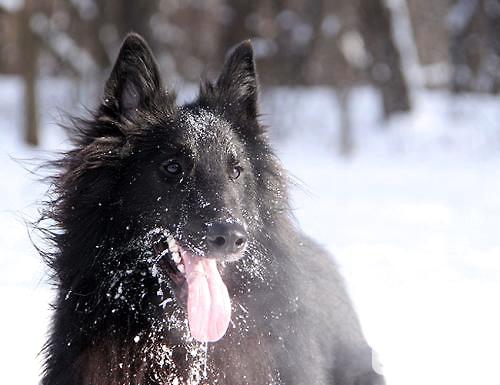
x: 238, y: 81
x: 134, y: 81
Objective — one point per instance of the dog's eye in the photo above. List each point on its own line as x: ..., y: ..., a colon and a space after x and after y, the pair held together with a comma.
x: 172, y: 167
x: 235, y: 172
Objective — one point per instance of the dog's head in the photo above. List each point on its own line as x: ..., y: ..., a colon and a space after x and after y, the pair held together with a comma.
x: 197, y: 183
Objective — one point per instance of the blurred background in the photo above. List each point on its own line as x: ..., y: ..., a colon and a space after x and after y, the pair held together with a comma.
x: 386, y: 113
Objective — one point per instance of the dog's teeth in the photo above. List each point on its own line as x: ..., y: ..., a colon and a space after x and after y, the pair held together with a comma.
x: 176, y: 257
x: 171, y: 244
x: 180, y: 267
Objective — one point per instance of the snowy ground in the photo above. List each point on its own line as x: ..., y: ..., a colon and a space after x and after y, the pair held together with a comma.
x: 412, y: 218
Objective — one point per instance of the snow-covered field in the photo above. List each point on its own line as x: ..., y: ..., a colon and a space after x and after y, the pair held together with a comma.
x: 412, y: 218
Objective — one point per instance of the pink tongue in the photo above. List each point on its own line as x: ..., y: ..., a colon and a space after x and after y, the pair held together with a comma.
x: 209, y: 307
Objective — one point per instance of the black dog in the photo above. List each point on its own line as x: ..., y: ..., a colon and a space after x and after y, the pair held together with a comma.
x: 176, y: 258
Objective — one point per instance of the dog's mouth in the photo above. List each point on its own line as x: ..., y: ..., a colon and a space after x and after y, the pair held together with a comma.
x: 199, y: 286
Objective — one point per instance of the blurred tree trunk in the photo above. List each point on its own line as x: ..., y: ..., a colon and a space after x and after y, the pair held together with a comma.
x: 90, y: 38
x: 29, y: 62
x: 135, y: 16
x: 385, y: 68
x: 429, y: 29
x: 346, y: 141
x: 236, y: 28
x: 474, y: 45
x: 464, y: 44
x: 493, y: 17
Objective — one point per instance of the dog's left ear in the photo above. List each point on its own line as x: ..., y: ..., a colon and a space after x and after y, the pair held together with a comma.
x: 236, y: 90
x: 238, y: 80
x: 134, y: 81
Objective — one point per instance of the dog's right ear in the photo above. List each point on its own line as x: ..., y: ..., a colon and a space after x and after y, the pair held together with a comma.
x: 134, y: 82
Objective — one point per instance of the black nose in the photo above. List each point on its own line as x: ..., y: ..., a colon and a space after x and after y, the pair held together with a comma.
x: 226, y: 238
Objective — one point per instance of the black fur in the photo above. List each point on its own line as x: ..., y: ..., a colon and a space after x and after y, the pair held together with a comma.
x: 117, y: 317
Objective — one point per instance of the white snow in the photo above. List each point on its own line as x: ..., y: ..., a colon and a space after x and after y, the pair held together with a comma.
x: 412, y: 218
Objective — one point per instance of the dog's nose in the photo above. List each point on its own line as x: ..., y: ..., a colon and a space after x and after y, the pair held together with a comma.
x: 226, y: 238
